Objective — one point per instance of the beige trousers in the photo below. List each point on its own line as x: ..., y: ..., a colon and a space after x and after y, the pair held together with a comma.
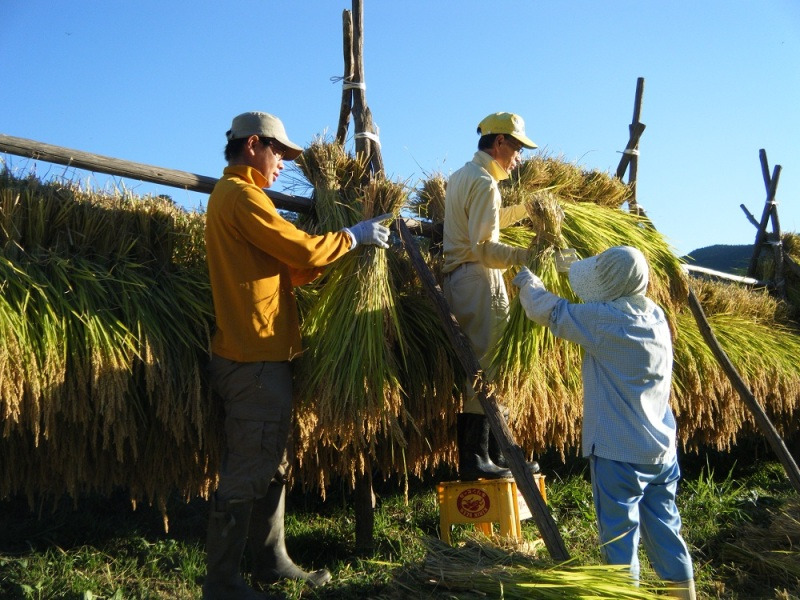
x: 478, y: 299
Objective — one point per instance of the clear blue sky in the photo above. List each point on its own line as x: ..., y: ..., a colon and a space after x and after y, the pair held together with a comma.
x: 158, y: 82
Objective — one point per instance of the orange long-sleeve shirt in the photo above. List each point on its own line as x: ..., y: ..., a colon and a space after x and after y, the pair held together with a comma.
x: 255, y: 258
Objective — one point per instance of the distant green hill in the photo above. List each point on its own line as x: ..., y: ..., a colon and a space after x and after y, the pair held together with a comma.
x: 721, y: 257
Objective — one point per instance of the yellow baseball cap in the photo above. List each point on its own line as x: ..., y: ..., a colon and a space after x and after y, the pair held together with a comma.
x: 507, y: 124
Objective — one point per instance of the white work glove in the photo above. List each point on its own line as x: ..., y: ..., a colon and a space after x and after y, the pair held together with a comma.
x: 536, y: 301
x: 370, y: 232
x: 525, y: 278
x: 564, y: 258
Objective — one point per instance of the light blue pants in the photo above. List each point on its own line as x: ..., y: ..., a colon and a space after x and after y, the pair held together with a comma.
x: 632, y: 498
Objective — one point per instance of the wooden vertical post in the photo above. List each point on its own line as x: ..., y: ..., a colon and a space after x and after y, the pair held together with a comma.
x: 368, y: 146
x: 630, y: 156
x: 365, y: 511
x: 367, y: 142
x: 347, y: 78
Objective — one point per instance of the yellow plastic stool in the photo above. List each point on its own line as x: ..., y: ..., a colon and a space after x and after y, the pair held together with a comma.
x: 482, y: 503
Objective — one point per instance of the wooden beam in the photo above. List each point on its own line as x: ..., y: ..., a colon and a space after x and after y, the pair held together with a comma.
x: 513, y: 453
x: 133, y: 170
x: 762, y: 420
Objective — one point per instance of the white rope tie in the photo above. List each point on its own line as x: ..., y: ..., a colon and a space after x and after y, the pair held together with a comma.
x: 370, y: 136
x: 354, y: 85
x: 631, y: 151
x: 349, y: 84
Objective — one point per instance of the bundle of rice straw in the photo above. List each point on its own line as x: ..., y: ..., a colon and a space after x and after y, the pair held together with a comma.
x: 348, y: 383
x: 480, y: 569
x: 429, y: 201
x: 569, y: 182
x: 334, y: 179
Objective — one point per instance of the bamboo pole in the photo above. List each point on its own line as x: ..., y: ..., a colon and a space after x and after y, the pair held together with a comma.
x: 133, y: 170
x: 513, y: 453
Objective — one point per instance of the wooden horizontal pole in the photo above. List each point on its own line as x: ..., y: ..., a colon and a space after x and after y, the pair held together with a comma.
x: 698, y: 270
x: 133, y: 170
x: 169, y: 177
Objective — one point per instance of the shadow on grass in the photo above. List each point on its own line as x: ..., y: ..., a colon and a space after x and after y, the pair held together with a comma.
x: 96, y: 521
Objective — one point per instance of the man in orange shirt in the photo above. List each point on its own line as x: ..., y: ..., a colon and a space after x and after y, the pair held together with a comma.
x: 255, y: 258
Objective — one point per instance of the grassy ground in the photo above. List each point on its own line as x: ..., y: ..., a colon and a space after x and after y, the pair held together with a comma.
x: 741, y: 520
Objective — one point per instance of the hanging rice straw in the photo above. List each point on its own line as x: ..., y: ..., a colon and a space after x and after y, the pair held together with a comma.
x: 708, y: 409
x: 104, y: 321
x: 568, y: 181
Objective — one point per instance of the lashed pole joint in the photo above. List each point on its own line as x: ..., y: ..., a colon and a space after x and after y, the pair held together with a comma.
x: 630, y: 156
x: 763, y: 238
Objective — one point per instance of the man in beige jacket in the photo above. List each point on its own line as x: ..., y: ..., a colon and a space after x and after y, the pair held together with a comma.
x: 474, y: 261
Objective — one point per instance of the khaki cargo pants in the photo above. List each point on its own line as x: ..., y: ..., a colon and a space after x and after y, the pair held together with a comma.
x: 258, y: 416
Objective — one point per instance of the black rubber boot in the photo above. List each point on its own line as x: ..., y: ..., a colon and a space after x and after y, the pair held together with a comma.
x: 267, y: 546
x: 473, y: 449
x: 225, y: 542
x: 498, y: 458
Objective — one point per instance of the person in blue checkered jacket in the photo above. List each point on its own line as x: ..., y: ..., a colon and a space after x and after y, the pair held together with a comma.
x: 629, y: 430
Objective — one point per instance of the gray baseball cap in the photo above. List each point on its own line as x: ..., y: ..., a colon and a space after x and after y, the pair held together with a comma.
x: 264, y: 125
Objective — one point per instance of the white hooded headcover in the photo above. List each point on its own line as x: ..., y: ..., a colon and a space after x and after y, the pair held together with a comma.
x: 618, y: 272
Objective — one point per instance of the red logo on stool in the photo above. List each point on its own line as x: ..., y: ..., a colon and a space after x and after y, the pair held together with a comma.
x: 473, y: 503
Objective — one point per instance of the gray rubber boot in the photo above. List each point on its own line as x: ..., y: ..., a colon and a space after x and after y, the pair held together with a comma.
x: 267, y: 546
x: 473, y: 449
x: 225, y: 542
